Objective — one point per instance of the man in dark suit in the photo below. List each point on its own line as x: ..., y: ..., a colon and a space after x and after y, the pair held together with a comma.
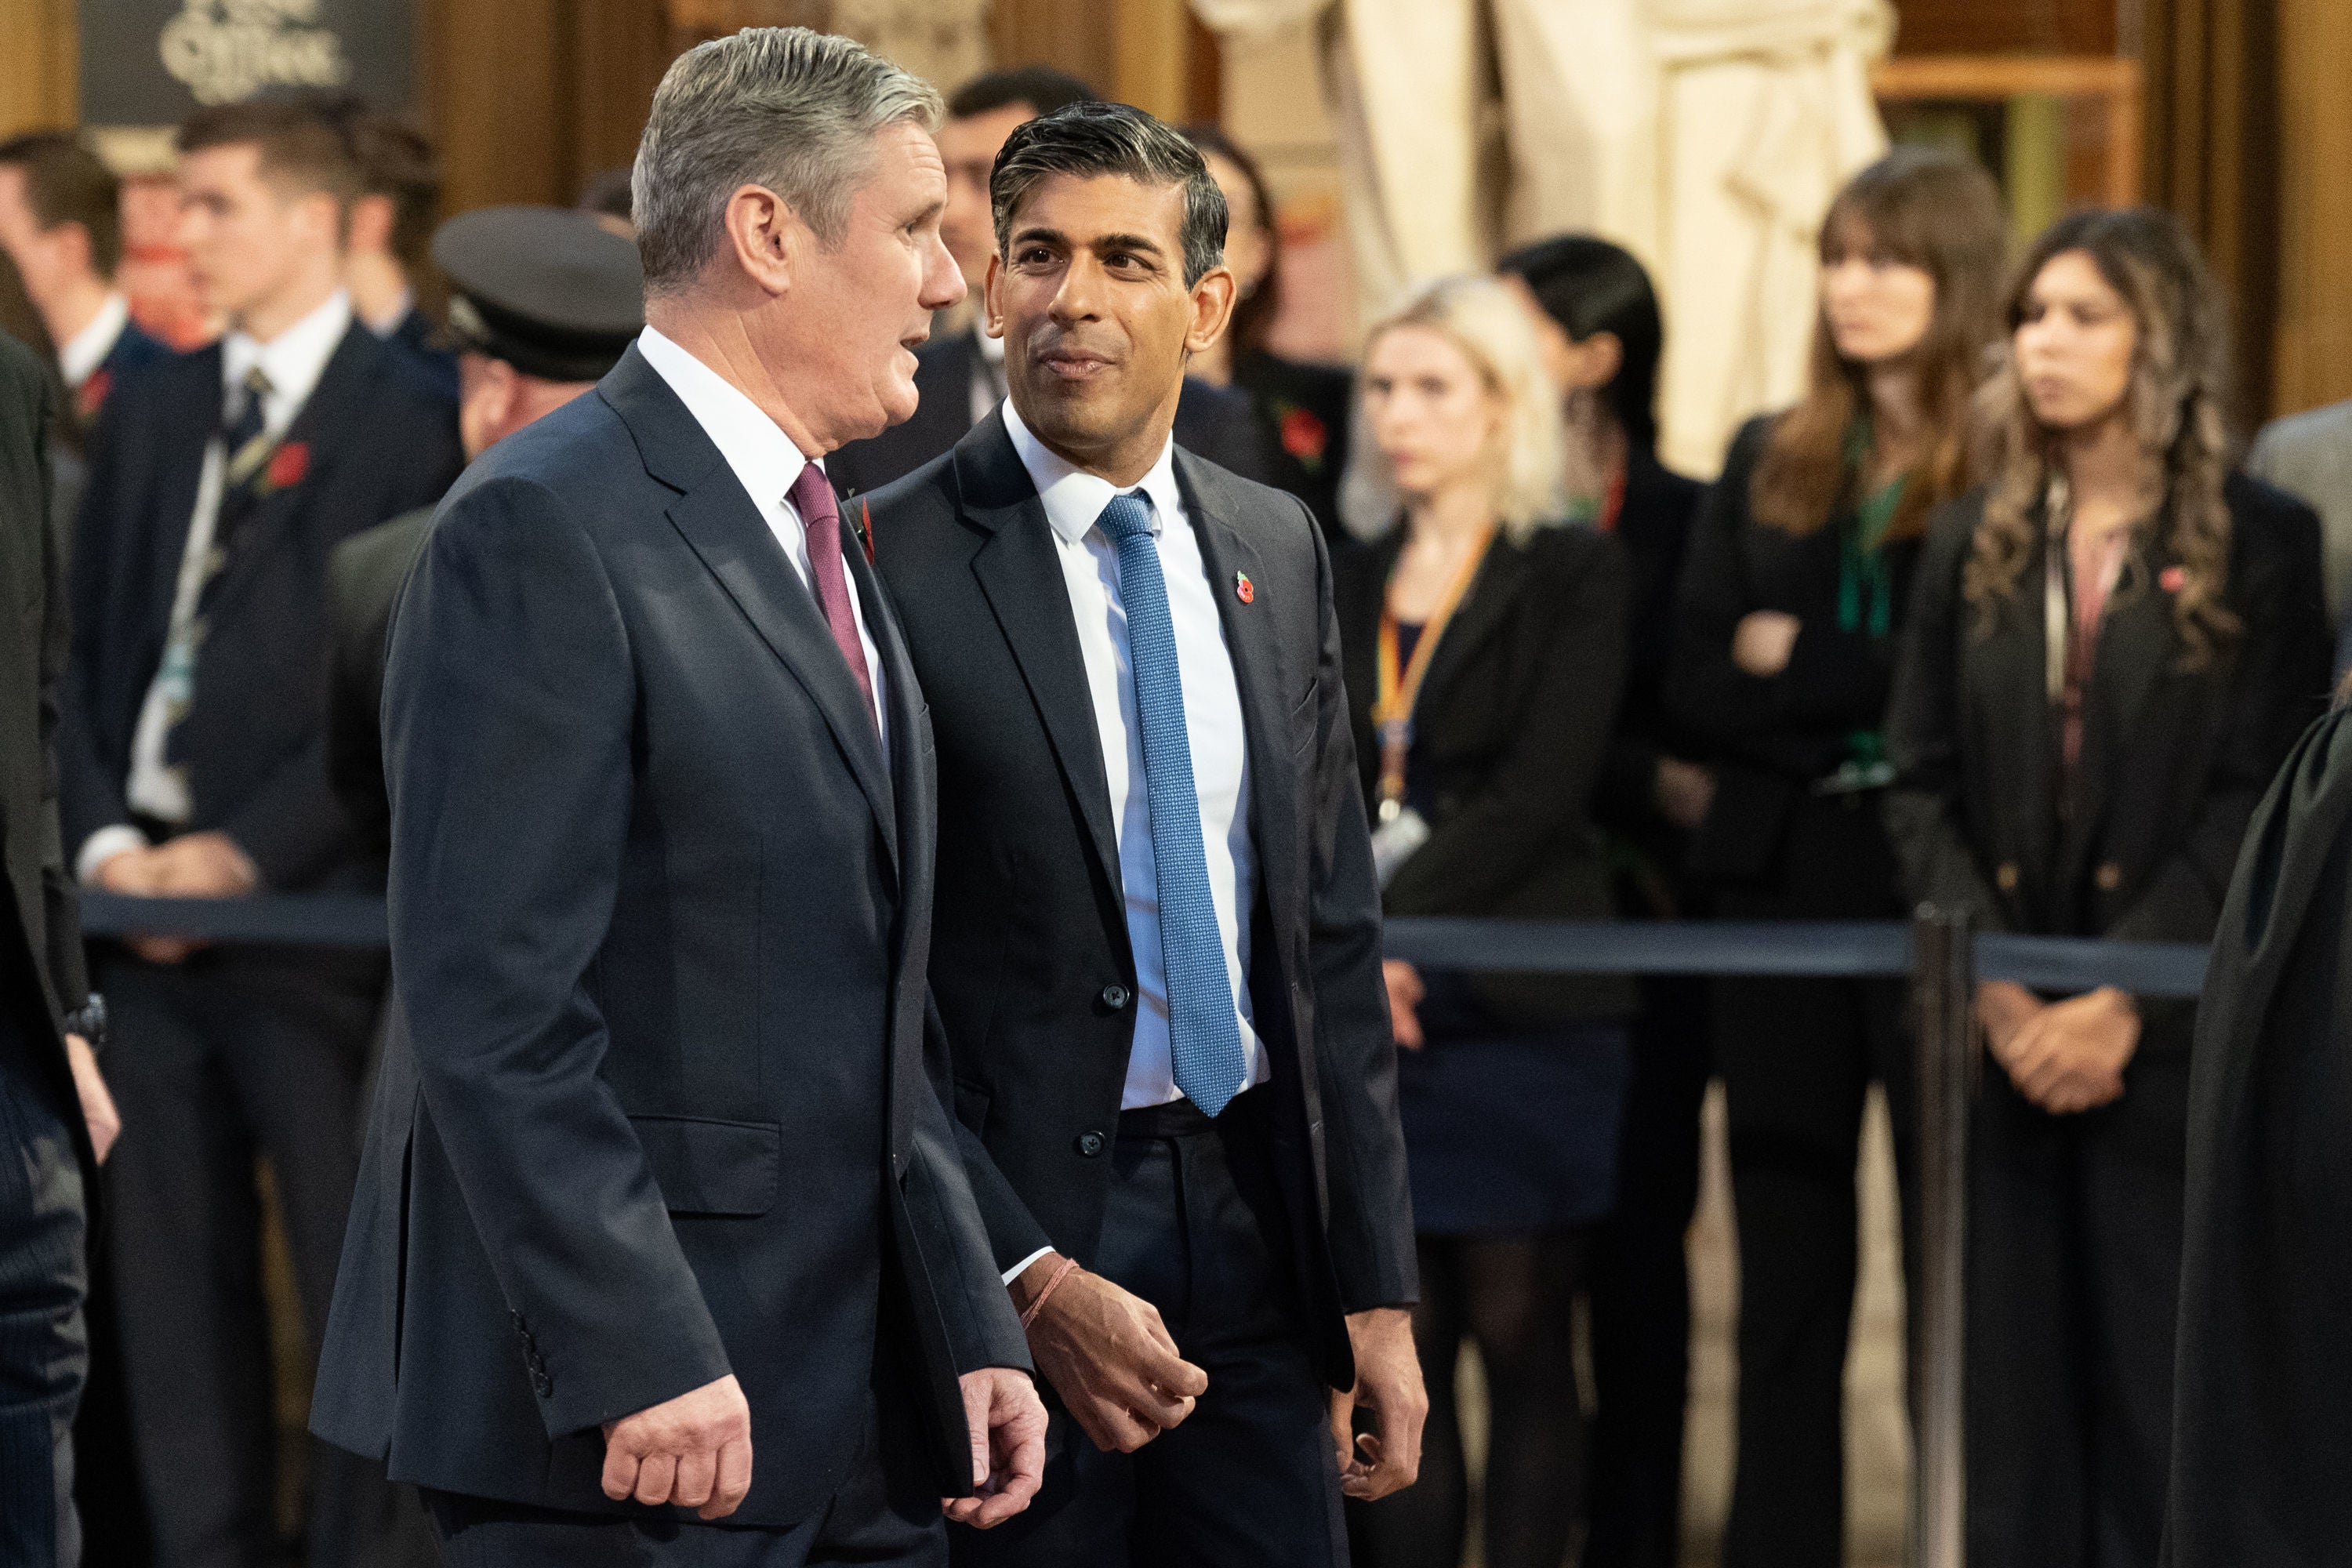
x: 59, y: 1118
x: 1158, y: 933
x: 660, y: 1181
x: 391, y: 233
x: 960, y: 376
x: 61, y: 223
x: 194, y: 764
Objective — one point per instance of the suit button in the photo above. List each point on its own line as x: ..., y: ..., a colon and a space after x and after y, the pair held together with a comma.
x: 1090, y: 1143
x: 2109, y: 877
x: 1114, y: 996
x: 2006, y: 878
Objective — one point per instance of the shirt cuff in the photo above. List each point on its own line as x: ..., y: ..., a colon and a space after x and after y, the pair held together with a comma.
x: 1021, y: 1267
x: 103, y: 845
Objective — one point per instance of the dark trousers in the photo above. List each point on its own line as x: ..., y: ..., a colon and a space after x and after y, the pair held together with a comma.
x: 44, y: 1347
x: 233, y: 1055
x: 1516, y: 1296
x: 1641, y: 1288
x: 1796, y: 1058
x: 1196, y: 1227
x: 2074, y: 1237
x: 885, y: 1513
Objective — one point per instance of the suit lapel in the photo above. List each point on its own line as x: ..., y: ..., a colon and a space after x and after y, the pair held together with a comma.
x: 1480, y: 614
x: 1021, y: 575
x: 2136, y: 645
x: 2012, y: 706
x: 726, y: 531
x: 181, y: 466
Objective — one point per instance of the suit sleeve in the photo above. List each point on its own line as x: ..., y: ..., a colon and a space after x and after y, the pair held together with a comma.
x: 983, y: 1329
x: 509, y: 699
x: 61, y: 912
x: 91, y: 793
x: 1936, y: 863
x: 1370, y: 1226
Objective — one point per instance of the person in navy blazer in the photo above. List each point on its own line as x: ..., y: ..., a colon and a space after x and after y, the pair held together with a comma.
x: 192, y: 750
x: 662, y: 1220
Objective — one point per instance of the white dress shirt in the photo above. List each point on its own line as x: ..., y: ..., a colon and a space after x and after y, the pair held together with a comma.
x: 767, y: 465
x: 79, y: 356
x: 293, y: 361
x: 1213, y: 722
x: 987, y: 374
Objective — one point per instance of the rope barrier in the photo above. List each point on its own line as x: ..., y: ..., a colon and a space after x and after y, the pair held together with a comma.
x: 1831, y: 949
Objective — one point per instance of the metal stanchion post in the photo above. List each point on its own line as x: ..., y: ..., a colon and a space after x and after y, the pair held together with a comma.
x: 1944, y: 993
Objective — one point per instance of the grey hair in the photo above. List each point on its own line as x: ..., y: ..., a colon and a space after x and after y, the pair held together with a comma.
x: 1091, y: 139
x: 793, y: 111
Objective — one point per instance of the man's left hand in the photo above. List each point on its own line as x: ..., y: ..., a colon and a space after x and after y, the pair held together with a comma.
x: 98, y: 1111
x: 206, y: 865
x: 1007, y: 1423
x: 1387, y: 1384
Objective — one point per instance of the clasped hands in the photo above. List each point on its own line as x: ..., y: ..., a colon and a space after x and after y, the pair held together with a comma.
x: 695, y: 1451
x: 1116, y: 1369
x: 2066, y: 1057
x: 206, y: 865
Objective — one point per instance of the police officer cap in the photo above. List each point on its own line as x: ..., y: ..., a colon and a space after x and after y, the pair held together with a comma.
x: 550, y: 290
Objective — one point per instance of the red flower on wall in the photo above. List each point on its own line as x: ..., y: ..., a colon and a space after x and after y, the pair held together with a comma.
x: 1304, y: 436
x: 287, y: 464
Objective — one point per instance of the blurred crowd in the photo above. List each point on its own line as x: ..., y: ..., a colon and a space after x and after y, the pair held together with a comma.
x: 1994, y: 616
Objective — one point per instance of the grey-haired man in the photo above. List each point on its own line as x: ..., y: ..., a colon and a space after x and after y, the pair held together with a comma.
x: 663, y: 1221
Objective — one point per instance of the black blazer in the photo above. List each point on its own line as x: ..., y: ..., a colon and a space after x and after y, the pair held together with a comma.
x: 363, y: 579
x: 1307, y: 411
x: 1034, y: 971
x: 1516, y: 717
x: 1216, y: 422
x: 1769, y: 738
x: 2174, y: 758
x: 378, y: 444
x: 655, y: 1103
x: 41, y: 974
x: 1655, y: 528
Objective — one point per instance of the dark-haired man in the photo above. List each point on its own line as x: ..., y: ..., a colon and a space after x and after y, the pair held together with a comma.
x: 391, y: 235
x: 195, y: 765
x: 61, y: 223
x: 959, y: 377
x: 1157, y: 946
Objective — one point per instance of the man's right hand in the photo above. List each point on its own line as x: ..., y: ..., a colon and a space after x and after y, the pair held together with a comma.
x: 1108, y: 1356
x: 693, y: 1450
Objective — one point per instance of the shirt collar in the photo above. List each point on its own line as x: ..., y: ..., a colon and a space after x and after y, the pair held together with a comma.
x: 293, y: 361
x: 762, y: 456
x: 1074, y: 497
x: 80, y: 355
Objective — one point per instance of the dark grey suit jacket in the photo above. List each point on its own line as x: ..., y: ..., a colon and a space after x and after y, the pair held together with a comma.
x: 1031, y: 928
x: 655, y: 1103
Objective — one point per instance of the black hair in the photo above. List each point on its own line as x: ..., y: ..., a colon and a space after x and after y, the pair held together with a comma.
x: 607, y: 195
x: 1588, y: 285
x: 1041, y: 88
x: 1091, y: 139
x: 65, y: 182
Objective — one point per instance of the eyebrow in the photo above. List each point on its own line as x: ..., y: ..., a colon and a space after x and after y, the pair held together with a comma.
x: 1100, y: 242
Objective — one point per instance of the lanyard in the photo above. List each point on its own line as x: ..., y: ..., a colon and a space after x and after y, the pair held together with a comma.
x: 1399, y: 691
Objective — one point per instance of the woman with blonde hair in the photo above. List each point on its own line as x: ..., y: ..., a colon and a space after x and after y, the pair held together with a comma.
x: 1484, y: 639
x: 1794, y: 592
x: 2113, y: 648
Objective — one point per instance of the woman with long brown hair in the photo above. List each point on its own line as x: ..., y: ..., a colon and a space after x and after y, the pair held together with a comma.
x: 2113, y: 646
x: 1792, y: 600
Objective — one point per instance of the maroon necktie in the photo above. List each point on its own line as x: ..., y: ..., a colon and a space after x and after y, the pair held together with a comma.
x: 811, y: 493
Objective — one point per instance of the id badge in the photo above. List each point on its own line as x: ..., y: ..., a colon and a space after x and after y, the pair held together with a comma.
x: 1395, y: 841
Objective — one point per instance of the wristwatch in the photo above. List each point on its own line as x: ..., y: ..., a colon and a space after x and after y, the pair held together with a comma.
x: 89, y: 1021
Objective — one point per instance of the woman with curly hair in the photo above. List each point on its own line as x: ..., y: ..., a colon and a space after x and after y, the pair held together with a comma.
x: 1792, y: 597
x: 2112, y: 648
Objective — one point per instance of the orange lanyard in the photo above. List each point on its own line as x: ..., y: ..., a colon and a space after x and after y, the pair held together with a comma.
x: 1399, y: 691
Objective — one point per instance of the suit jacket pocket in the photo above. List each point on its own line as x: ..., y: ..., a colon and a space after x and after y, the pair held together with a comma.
x: 1302, y: 722
x: 708, y: 1167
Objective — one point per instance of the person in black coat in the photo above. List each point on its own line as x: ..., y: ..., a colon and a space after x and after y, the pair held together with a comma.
x: 2263, y: 1407
x: 194, y: 763
x: 1597, y: 317
x: 1791, y: 601
x: 1485, y: 646
x: 60, y: 1119
x: 1304, y: 410
x: 2111, y: 649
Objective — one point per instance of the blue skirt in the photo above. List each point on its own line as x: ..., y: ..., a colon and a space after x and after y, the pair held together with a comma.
x: 1514, y: 1132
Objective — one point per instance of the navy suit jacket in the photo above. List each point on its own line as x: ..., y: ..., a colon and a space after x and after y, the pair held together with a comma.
x: 1217, y: 422
x: 657, y: 1101
x: 378, y: 444
x: 1031, y: 929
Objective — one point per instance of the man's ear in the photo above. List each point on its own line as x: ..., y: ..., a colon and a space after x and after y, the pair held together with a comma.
x: 988, y: 313
x: 1212, y: 308
x: 767, y: 236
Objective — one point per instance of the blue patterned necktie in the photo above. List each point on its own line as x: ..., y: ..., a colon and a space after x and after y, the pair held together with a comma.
x: 1205, y: 1032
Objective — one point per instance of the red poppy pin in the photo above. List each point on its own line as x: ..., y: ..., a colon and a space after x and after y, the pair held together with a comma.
x: 2171, y: 578
x: 91, y: 395
x: 865, y: 529
x: 287, y: 464
x: 1243, y: 589
x: 1305, y: 436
